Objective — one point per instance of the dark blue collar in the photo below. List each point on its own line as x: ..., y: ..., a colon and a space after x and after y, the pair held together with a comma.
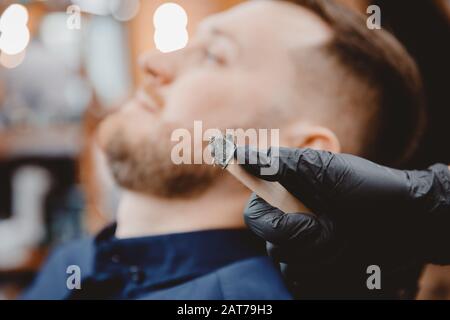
x: 156, y: 260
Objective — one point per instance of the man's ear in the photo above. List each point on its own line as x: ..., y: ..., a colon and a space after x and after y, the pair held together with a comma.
x: 304, y: 135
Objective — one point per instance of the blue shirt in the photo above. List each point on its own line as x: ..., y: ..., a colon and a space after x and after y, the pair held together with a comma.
x: 212, y: 264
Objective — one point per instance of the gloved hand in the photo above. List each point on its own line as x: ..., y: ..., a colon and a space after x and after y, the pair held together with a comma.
x: 352, y: 198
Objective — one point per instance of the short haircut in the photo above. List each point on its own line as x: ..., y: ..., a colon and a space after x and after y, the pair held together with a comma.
x: 378, y: 60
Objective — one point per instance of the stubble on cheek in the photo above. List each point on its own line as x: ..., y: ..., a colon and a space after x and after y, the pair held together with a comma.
x: 145, y: 165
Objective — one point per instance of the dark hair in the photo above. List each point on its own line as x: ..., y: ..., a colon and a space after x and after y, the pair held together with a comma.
x: 378, y: 59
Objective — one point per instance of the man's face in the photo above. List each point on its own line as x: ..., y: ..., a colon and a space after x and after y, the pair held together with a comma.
x: 236, y: 72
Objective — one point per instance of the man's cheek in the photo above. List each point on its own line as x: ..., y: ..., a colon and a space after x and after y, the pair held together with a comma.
x: 128, y: 123
x: 198, y: 103
x: 106, y: 129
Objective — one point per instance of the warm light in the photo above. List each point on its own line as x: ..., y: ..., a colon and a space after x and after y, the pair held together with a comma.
x: 170, y: 21
x: 124, y: 10
x: 15, y: 35
x: 170, y: 15
x: 11, y: 61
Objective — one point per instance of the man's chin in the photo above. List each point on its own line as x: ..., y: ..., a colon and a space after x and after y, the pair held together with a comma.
x: 146, y: 166
x: 106, y: 131
x: 173, y: 181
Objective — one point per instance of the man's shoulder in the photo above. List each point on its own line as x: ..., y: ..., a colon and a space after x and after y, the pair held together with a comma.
x: 254, y: 278
x: 77, y: 252
x: 50, y: 282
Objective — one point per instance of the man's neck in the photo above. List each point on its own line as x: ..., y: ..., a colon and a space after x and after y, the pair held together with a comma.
x: 220, y: 207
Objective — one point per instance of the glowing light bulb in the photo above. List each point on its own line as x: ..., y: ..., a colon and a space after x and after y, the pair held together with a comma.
x: 124, y: 10
x: 15, y: 14
x: 170, y: 21
x: 15, y: 35
x: 13, y: 61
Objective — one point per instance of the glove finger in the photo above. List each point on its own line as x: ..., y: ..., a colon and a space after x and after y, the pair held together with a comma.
x: 268, y: 164
x: 312, y: 247
x: 303, y: 172
x: 284, y: 162
x: 275, y: 226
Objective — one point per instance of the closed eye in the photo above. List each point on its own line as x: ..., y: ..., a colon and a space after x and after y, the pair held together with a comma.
x: 213, y: 57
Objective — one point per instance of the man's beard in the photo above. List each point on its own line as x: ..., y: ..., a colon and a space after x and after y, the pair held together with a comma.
x: 147, y: 167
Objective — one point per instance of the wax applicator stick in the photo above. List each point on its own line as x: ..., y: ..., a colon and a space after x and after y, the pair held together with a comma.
x: 222, y: 150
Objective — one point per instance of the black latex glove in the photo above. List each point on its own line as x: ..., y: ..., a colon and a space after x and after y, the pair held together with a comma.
x: 312, y: 237
x: 361, y: 198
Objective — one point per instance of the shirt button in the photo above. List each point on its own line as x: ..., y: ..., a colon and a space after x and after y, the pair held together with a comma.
x: 137, y: 275
x: 115, y: 258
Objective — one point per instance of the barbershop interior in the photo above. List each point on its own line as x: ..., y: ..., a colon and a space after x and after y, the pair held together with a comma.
x: 65, y: 65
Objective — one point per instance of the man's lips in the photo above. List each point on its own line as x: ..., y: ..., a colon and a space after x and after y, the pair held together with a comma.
x: 148, y: 102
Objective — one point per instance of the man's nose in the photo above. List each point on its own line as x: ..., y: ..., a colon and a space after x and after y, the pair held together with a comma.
x: 159, y: 68
x: 163, y: 68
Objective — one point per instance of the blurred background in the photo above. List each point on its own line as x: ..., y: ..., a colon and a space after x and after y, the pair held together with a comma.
x: 57, y: 84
